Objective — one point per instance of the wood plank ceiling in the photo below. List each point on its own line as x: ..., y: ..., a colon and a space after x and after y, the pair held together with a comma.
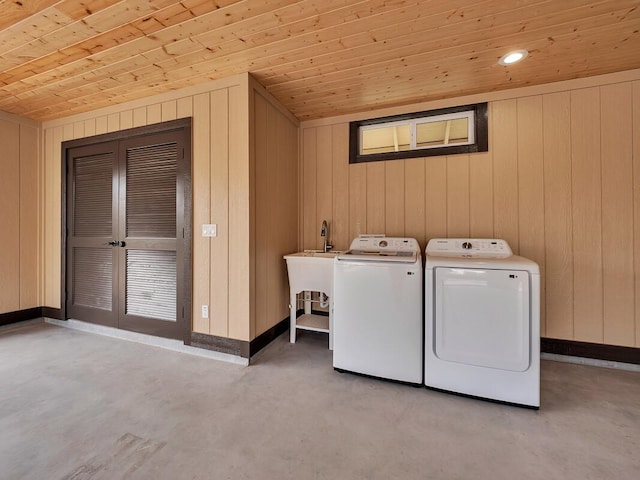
x: 318, y: 57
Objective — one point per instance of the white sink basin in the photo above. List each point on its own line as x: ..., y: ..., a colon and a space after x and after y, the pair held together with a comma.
x: 311, y: 270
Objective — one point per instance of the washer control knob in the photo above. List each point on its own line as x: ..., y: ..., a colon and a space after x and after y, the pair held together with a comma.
x: 467, y: 245
x: 383, y: 243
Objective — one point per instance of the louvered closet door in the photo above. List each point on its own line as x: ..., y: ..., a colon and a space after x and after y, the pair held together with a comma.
x: 92, y: 222
x: 148, y: 225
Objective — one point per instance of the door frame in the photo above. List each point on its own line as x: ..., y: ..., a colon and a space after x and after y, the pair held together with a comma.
x: 183, y: 277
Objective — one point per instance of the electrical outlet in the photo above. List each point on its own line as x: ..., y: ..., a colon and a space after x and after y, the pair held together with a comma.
x: 205, y: 311
x: 209, y: 230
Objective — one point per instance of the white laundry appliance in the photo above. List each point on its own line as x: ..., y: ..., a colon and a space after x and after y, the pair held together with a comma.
x: 377, y: 309
x: 482, y: 321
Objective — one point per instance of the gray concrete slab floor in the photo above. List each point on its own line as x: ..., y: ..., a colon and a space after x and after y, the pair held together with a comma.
x: 75, y: 405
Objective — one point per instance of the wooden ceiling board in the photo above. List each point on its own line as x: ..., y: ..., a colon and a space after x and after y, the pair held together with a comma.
x: 318, y: 57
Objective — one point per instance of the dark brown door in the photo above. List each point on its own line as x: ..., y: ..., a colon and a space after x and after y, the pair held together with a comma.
x: 127, y: 273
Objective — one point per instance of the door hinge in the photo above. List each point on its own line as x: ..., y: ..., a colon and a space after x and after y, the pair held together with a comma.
x: 183, y: 312
x: 183, y: 233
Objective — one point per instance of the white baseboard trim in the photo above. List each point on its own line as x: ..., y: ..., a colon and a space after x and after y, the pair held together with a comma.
x: 166, y: 343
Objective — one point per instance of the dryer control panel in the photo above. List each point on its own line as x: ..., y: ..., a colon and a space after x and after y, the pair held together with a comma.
x: 380, y: 243
x: 468, y: 247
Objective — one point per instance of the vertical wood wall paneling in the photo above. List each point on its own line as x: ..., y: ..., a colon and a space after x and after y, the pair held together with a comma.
x: 241, y: 291
x: 53, y: 189
x: 10, y: 216
x: 587, y: 214
x: 184, y: 107
x: 324, y: 180
x: 435, y: 197
x: 617, y: 214
x: 113, y: 122
x: 376, y: 198
x: 394, y: 198
x: 457, y: 196
x: 139, y: 116
x: 481, y: 190
x: 531, y: 188
x: 169, y: 110
x: 505, y: 171
x: 262, y: 209
x: 101, y: 125
x: 340, y: 234
x: 414, y: 200
x: 310, y: 232
x: 219, y: 208
x: 201, y: 215
x: 90, y: 127
x: 154, y: 114
x: 29, y: 232
x: 636, y: 203
x: 558, y: 240
x: 357, y: 199
x: 126, y: 119
x: 78, y: 130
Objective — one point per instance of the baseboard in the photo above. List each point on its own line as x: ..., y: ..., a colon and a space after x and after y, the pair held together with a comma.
x: 241, y: 348
x: 29, y: 314
x: 613, y: 353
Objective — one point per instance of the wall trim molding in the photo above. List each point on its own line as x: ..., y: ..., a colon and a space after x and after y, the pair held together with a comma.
x: 241, y: 348
x: 29, y: 314
x: 613, y: 353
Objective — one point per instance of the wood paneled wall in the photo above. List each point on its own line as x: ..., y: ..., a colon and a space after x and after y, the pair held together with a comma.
x: 561, y: 183
x: 19, y: 202
x: 229, y: 272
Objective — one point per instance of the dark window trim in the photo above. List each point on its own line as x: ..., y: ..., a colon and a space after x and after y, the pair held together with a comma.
x: 184, y: 167
x: 481, y: 135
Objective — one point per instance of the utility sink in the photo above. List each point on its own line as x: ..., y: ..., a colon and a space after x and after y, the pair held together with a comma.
x: 310, y: 271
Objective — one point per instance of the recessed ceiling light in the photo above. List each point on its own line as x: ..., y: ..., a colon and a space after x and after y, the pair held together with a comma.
x: 513, y: 57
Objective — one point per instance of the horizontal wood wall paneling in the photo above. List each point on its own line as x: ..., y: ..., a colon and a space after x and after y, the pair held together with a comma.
x: 558, y: 241
x: 617, y: 214
x: 218, y: 260
x: 586, y: 188
x: 201, y: 214
x: 29, y: 205
x: 636, y: 202
x: 10, y: 216
x: 531, y: 187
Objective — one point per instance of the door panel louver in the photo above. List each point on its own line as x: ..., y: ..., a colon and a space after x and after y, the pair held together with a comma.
x: 151, y: 191
x: 92, y: 279
x: 151, y: 284
x: 93, y: 198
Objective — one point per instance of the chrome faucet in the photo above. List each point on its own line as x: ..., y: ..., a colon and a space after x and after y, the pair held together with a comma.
x: 324, y: 233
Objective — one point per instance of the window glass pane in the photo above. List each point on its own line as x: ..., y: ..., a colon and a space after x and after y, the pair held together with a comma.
x: 385, y: 139
x: 443, y: 132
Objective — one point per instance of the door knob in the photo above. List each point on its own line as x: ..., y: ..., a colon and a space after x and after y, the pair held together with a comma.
x: 113, y: 243
x: 121, y: 244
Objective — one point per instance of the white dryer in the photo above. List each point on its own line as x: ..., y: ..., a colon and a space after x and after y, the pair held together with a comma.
x: 482, y: 321
x: 377, y: 309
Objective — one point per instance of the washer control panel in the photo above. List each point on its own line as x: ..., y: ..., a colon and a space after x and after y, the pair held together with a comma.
x: 468, y: 247
x: 380, y: 243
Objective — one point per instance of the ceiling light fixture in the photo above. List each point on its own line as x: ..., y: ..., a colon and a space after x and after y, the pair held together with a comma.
x: 513, y: 57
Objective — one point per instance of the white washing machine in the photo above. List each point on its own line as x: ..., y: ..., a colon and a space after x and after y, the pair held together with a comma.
x: 377, y: 309
x: 482, y: 321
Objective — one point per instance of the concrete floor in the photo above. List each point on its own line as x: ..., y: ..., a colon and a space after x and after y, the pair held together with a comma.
x: 75, y: 405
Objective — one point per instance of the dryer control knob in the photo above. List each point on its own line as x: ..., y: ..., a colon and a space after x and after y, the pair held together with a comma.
x: 467, y: 245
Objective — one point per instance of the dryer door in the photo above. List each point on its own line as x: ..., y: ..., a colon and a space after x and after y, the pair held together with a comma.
x: 482, y: 317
